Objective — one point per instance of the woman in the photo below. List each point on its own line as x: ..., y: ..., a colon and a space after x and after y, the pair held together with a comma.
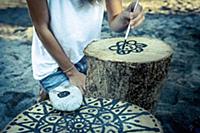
x: 63, y: 28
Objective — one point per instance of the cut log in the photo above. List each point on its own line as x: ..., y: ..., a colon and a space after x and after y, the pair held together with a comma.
x: 132, y: 71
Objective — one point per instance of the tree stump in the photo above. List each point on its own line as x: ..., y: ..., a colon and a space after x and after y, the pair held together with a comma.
x: 132, y: 71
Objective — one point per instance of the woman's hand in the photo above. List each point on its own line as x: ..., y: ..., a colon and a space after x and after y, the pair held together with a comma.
x: 135, y: 18
x: 119, y: 19
x: 77, y: 78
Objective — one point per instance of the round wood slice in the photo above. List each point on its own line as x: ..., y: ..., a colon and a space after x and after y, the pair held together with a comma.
x: 94, y: 116
x: 131, y: 71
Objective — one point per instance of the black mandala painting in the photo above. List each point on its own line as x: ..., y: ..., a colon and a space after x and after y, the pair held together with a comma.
x: 126, y: 47
x: 94, y: 116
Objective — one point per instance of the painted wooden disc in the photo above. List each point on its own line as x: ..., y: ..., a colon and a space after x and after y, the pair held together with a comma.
x: 94, y: 116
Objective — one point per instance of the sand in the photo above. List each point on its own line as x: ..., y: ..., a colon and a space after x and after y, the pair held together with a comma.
x: 173, y: 21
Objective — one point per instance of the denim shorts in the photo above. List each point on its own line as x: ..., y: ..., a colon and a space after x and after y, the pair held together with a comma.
x: 55, y: 79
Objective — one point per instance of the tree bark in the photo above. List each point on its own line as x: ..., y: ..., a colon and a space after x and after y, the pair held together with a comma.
x: 134, y: 77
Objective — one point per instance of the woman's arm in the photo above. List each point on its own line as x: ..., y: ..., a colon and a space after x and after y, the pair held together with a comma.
x: 38, y: 10
x: 119, y: 18
x: 40, y: 18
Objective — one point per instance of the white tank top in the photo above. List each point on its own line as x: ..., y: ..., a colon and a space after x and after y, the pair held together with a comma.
x: 74, y: 26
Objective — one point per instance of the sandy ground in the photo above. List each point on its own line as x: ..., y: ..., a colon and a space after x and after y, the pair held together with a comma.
x: 174, y: 21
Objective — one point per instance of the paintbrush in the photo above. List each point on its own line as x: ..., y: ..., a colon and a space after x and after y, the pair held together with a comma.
x: 129, y: 26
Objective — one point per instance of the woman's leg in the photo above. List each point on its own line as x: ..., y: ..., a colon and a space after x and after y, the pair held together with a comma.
x: 43, y: 95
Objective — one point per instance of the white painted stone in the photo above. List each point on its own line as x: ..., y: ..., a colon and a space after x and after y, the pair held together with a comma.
x: 69, y: 102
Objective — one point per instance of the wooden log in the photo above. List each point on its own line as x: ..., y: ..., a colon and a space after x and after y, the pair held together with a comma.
x: 133, y: 72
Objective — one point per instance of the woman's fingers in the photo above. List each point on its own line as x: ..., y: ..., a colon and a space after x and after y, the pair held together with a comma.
x: 131, y: 14
x: 81, y: 86
x: 135, y: 14
x: 138, y: 20
x: 135, y: 18
x: 138, y: 23
x: 82, y: 90
x: 78, y: 79
x: 131, y: 7
x: 83, y: 83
